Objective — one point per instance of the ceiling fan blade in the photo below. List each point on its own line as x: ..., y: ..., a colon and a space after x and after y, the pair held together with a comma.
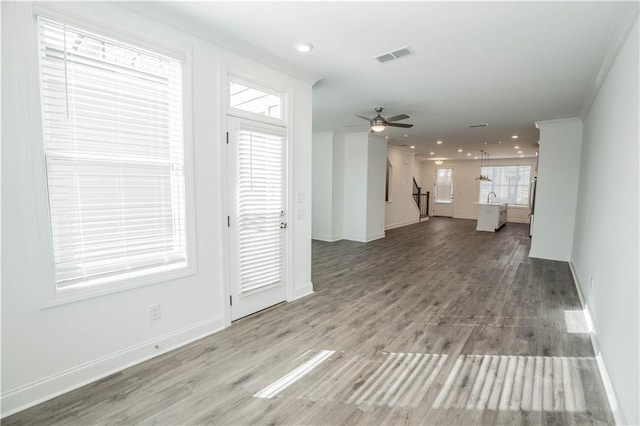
x: 363, y: 125
x: 398, y: 117
x: 406, y: 126
x: 364, y: 118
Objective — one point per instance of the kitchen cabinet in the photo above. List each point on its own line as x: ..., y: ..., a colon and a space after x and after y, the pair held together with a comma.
x: 491, y: 217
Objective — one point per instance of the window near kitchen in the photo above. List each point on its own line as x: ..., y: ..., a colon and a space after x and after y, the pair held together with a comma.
x: 114, y: 148
x: 444, y: 186
x: 511, y: 184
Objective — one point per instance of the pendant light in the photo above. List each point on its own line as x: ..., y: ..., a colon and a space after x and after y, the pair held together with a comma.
x: 484, y: 162
x: 486, y: 165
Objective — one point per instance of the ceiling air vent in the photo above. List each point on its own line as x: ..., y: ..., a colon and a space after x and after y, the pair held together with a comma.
x: 479, y: 125
x: 386, y: 57
x: 390, y: 56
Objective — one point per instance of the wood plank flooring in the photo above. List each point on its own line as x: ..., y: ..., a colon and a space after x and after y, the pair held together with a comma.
x: 434, y: 324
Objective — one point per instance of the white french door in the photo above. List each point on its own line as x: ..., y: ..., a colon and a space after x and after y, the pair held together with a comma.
x: 257, y: 219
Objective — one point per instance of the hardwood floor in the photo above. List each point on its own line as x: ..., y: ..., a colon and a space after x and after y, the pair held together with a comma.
x: 434, y: 324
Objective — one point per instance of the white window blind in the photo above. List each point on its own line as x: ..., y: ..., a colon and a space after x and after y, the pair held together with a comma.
x: 260, y: 208
x: 114, y: 146
x: 511, y: 184
x: 444, y: 185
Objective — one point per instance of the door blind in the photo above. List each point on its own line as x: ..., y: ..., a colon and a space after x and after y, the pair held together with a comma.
x: 113, y: 140
x: 260, y: 208
x: 444, y: 185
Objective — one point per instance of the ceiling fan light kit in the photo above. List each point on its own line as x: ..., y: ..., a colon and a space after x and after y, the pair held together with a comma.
x: 378, y: 125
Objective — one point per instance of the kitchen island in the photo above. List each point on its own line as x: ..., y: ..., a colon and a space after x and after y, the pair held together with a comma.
x: 491, y: 216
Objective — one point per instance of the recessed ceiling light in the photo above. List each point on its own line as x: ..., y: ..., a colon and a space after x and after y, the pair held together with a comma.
x: 304, y: 47
x: 468, y: 154
x: 405, y: 135
x: 412, y: 147
x: 432, y: 153
x: 475, y: 158
x: 519, y: 152
x: 514, y: 137
x: 516, y: 147
x: 439, y: 142
x: 459, y: 150
x: 522, y: 156
x: 499, y: 141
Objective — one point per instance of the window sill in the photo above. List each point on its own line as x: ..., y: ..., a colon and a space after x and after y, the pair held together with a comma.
x: 78, y: 293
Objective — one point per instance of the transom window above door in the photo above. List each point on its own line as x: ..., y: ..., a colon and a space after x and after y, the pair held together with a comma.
x: 256, y: 101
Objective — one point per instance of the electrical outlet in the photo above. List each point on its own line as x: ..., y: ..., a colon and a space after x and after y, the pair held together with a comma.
x: 154, y: 312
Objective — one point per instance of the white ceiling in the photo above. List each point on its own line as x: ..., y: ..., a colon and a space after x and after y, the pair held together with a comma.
x: 506, y: 64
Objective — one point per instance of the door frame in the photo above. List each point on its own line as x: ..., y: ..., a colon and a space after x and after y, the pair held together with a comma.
x: 223, y: 175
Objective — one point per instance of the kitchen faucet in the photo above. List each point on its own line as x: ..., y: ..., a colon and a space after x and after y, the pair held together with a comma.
x: 489, y: 194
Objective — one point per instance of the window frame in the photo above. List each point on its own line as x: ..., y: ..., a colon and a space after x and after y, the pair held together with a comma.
x: 527, y: 185
x: 54, y: 295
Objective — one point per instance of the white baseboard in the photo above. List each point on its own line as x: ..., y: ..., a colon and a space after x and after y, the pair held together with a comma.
x: 401, y: 224
x: 42, y: 390
x: 367, y: 239
x: 374, y: 237
x: 327, y: 238
x: 468, y: 217
x: 302, y: 291
x: 519, y: 220
x: 618, y: 415
x: 548, y: 256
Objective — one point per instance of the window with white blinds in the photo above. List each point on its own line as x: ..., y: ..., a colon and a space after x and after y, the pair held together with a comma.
x: 114, y: 146
x: 260, y: 208
x: 511, y: 184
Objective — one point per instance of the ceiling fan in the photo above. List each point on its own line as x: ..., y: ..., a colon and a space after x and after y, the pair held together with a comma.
x: 379, y: 123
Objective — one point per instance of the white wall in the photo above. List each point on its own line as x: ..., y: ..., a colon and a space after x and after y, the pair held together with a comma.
x: 557, y: 188
x: 466, y: 188
x: 355, y: 186
x: 46, y: 351
x: 401, y: 208
x: 376, y: 176
x: 605, y: 242
x: 364, y: 166
x: 322, y: 185
x: 348, y: 181
x: 327, y: 163
x: 337, y: 225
